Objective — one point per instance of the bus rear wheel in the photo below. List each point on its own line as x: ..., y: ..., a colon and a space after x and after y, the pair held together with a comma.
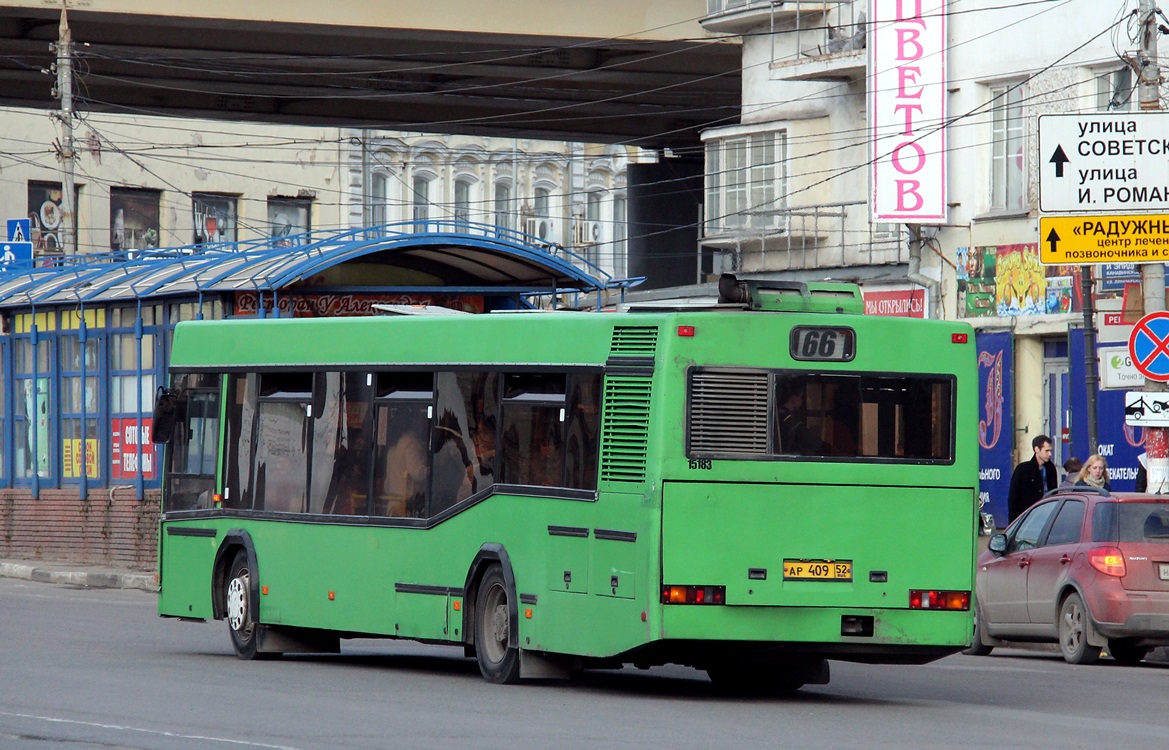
x: 494, y: 613
x: 238, y: 604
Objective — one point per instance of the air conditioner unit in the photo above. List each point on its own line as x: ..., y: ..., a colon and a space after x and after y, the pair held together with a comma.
x: 586, y: 233
x: 544, y: 229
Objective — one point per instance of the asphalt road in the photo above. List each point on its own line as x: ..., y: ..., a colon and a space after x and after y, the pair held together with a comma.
x: 84, y: 669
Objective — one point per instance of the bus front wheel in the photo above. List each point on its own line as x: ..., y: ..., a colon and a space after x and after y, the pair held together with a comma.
x: 494, y: 614
x: 238, y: 604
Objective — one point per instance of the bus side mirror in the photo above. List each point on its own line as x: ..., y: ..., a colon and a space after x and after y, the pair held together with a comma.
x: 166, y: 409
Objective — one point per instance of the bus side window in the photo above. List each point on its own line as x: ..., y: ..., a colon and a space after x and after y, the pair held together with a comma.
x: 401, y: 472
x: 193, y: 450
x: 581, y: 446
x: 533, y: 429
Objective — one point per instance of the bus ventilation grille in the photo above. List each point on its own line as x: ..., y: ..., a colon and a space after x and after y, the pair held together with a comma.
x: 625, y: 423
x: 625, y: 429
x: 634, y: 341
x: 728, y: 412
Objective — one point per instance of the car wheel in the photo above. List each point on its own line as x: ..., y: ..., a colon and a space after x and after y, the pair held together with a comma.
x: 1125, y: 651
x: 978, y: 648
x: 1073, y: 632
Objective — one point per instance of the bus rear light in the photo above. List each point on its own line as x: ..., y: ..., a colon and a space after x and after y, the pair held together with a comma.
x: 959, y: 338
x: 930, y: 599
x: 694, y: 594
x: 686, y: 331
x: 1108, y: 560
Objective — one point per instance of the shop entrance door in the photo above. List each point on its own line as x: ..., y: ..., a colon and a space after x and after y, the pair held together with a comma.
x: 1057, y: 415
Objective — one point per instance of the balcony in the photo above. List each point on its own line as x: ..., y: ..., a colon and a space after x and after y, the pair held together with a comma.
x: 739, y: 16
x: 832, y: 49
x: 834, y: 235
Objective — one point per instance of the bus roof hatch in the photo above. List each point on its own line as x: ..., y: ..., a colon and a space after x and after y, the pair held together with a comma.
x: 791, y: 296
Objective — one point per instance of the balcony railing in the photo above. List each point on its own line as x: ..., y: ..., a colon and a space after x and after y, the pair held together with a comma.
x: 830, y: 235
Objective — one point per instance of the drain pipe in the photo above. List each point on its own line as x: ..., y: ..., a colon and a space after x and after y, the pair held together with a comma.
x: 914, y: 274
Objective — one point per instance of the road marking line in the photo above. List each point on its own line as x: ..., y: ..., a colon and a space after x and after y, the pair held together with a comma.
x: 159, y: 732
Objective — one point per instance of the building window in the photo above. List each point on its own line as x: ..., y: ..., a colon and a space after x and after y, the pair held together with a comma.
x: 541, y: 206
x: 215, y: 217
x: 744, y: 182
x: 1008, y: 156
x: 620, y: 233
x: 503, y: 216
x: 288, y: 218
x: 592, y: 227
x: 46, y: 217
x: 1114, y: 90
x: 133, y: 219
x: 421, y: 189
x: 377, y: 200
x: 462, y: 201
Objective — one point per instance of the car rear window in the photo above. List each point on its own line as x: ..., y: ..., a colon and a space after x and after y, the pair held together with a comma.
x: 1131, y: 522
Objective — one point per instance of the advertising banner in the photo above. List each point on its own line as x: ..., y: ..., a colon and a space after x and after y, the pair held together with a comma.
x: 996, y: 424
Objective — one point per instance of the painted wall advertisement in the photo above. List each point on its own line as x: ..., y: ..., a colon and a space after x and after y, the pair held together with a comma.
x: 1009, y: 280
x: 996, y: 423
x: 126, y: 435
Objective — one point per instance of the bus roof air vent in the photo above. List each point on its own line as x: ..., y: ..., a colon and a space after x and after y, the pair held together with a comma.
x: 791, y: 296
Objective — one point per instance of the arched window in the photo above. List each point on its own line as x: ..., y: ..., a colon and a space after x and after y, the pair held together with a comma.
x: 377, y: 199
x: 463, y: 200
x: 421, y: 190
x: 502, y: 207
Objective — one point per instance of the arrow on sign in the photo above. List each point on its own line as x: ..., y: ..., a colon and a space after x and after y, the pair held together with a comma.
x: 1053, y: 238
x: 1059, y: 158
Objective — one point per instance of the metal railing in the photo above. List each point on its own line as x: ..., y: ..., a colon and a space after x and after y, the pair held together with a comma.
x: 830, y: 235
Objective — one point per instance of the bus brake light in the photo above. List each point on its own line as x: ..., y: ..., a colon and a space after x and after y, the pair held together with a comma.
x: 959, y: 338
x: 694, y: 594
x: 929, y: 599
x: 686, y: 331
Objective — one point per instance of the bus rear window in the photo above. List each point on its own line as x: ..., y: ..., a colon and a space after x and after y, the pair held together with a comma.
x: 824, y: 416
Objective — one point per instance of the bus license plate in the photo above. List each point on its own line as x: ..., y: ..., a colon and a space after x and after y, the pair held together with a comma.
x: 817, y: 570
x: 1164, y: 571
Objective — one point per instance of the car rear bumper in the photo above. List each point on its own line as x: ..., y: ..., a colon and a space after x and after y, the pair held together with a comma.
x: 1148, y: 626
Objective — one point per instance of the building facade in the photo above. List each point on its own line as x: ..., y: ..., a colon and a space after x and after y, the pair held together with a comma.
x: 792, y: 189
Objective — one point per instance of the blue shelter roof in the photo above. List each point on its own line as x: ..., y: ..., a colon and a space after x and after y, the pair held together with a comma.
x: 434, y: 256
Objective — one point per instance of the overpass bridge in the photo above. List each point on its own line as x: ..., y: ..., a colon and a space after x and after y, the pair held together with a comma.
x: 639, y: 72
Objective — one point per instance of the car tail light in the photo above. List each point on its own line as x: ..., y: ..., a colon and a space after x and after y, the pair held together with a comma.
x: 928, y: 599
x: 1108, y: 560
x: 694, y: 594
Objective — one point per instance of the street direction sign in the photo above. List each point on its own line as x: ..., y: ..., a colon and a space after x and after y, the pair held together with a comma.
x: 1148, y: 344
x: 1104, y: 162
x: 1118, y: 238
x: 1146, y: 409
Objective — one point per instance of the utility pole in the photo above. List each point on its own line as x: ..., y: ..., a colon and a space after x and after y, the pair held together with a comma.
x: 1152, y: 274
x: 65, y: 92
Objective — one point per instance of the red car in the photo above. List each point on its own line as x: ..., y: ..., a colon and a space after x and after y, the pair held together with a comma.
x: 1082, y: 568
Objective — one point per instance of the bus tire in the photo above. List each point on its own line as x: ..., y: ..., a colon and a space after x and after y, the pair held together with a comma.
x: 494, y: 613
x: 238, y: 605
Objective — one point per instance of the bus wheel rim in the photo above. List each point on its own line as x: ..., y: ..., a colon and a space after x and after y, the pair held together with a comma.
x: 237, y: 603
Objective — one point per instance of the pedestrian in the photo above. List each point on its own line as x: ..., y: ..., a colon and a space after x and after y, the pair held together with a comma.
x: 1071, y: 469
x: 1032, y: 478
x: 1142, y: 473
x: 1094, y: 473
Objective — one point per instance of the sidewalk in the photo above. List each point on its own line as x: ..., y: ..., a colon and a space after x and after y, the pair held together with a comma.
x: 78, y: 575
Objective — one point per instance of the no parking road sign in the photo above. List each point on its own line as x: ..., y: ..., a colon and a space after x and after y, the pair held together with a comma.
x: 1149, y: 345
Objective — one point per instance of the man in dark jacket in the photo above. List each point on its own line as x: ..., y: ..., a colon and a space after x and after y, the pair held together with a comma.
x: 1032, y: 478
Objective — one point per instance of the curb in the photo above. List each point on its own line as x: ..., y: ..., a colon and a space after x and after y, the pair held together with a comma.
x: 87, y: 578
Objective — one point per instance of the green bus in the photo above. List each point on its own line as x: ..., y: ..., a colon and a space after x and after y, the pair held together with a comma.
x: 751, y: 487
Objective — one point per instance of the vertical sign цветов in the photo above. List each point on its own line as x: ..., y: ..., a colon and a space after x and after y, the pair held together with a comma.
x: 907, y: 107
